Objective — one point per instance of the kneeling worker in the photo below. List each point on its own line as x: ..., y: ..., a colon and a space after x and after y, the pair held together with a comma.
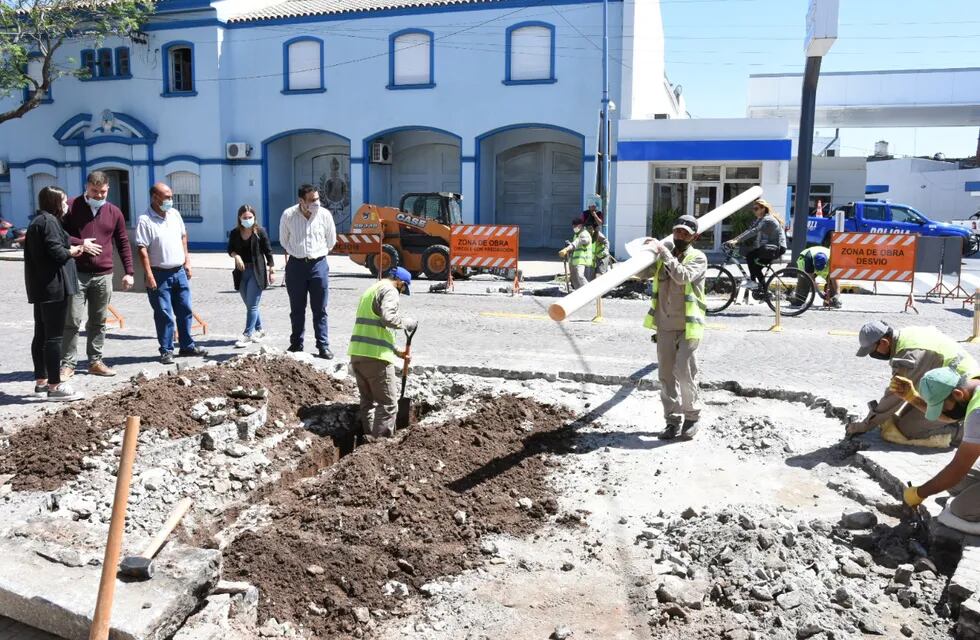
x: 815, y: 261
x: 372, y: 351
x: 946, y: 393
x: 677, y: 311
x: 912, y: 351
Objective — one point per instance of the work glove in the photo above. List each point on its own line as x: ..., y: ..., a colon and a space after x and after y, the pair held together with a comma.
x: 563, y: 252
x: 856, y: 428
x: 903, y: 388
x: 911, y: 496
x: 410, y: 324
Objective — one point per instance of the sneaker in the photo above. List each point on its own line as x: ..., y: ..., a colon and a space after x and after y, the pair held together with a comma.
x: 167, y: 357
x: 244, y: 341
x: 99, y: 368
x: 63, y: 393
x: 193, y: 351
x: 258, y: 335
x: 690, y: 429
x: 751, y: 285
x: 670, y: 432
x: 795, y: 303
x: 67, y: 373
x: 40, y: 391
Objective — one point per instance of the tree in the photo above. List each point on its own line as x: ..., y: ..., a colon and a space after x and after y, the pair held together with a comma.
x: 32, y: 32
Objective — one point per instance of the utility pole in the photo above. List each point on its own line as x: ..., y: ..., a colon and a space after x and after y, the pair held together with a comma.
x: 604, y: 121
x: 821, y: 32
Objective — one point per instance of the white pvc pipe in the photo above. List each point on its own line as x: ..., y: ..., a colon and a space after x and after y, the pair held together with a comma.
x: 641, y: 257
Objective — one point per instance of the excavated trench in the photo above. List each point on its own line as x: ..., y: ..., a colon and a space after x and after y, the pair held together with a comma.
x: 502, y: 485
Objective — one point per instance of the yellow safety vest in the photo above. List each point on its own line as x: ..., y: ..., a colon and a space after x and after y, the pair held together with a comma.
x: 695, y: 305
x: 582, y: 255
x: 812, y: 252
x: 371, y: 338
x: 931, y: 339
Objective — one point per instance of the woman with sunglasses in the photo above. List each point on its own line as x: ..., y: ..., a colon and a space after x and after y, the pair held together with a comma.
x: 762, y: 243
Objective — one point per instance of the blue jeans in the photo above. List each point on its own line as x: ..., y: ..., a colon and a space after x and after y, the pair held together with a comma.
x: 251, y: 294
x: 171, y: 299
x: 307, y: 279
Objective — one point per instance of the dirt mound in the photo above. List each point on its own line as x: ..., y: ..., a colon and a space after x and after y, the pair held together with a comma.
x: 45, y: 454
x: 345, y: 548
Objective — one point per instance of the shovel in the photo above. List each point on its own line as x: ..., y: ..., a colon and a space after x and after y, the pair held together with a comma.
x: 405, y: 404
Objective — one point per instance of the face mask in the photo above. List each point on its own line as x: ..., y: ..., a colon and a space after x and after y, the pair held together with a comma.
x: 166, y: 205
x: 681, y: 245
x: 313, y: 207
x: 248, y: 222
x: 879, y: 356
x: 64, y: 209
x: 95, y: 204
x: 957, y: 413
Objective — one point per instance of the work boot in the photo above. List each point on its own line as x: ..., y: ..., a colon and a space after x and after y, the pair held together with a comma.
x: 295, y: 348
x: 690, y: 429
x: 167, y: 357
x: 99, y: 368
x: 670, y: 432
x: 325, y: 353
x: 192, y: 352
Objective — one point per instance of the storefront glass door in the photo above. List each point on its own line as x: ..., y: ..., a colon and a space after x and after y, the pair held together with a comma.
x: 703, y: 198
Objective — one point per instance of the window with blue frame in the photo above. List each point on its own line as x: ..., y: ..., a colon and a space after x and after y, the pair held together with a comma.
x: 178, y: 70
x: 35, y: 71
x: 530, y: 51
x: 106, y: 63
x: 303, y: 65
x: 411, y: 60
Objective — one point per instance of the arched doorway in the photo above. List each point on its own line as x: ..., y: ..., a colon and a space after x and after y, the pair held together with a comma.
x: 422, y: 160
x: 317, y: 157
x: 531, y: 176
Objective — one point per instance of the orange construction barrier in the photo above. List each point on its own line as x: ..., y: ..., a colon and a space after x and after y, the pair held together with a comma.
x: 358, y: 243
x: 878, y: 257
x: 485, y: 246
x: 116, y: 319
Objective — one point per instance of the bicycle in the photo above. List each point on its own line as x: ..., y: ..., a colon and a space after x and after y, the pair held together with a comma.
x: 721, y: 287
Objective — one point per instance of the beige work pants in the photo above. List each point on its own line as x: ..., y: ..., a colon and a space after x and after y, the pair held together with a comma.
x: 577, y: 273
x: 378, y: 387
x: 677, y: 367
x: 914, y: 426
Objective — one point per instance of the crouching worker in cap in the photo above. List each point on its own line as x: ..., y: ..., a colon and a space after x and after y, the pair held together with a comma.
x: 911, y: 351
x: 676, y: 315
x: 373, y: 352
x: 580, y: 248
x: 945, y: 393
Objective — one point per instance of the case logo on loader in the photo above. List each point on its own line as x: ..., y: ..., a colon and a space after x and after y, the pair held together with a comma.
x: 415, y: 221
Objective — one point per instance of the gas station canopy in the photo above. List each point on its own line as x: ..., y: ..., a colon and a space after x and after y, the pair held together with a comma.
x: 907, y: 98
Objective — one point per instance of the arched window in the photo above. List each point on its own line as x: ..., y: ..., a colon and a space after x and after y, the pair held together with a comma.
x: 178, y: 70
x: 186, y: 187
x: 302, y: 65
x: 530, y: 53
x: 38, y: 182
x: 411, y: 60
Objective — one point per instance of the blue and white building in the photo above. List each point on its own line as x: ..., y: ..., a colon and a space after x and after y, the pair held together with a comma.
x: 240, y: 101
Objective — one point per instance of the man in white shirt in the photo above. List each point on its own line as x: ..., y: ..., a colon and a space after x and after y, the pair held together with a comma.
x: 307, y: 234
x: 162, y: 242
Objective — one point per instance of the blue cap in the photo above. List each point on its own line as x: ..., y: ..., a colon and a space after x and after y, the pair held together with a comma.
x: 401, y: 273
x: 820, y: 261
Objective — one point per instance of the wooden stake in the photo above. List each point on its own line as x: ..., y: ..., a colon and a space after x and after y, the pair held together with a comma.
x: 975, y: 338
x: 778, y: 327
x: 102, y: 619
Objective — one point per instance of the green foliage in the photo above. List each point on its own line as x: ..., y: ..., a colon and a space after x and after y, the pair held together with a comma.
x: 38, y: 28
x: 661, y: 221
x: 741, y: 220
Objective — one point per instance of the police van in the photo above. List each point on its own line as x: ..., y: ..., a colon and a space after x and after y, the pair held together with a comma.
x: 877, y: 216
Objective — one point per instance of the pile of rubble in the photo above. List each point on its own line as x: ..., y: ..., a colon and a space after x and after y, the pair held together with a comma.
x: 752, y: 435
x: 754, y: 574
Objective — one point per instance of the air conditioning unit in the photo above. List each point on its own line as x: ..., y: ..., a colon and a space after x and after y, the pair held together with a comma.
x: 3, y: 167
x: 237, y: 150
x: 380, y: 153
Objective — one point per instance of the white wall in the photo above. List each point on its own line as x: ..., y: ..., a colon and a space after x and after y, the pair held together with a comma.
x: 848, y: 175
x: 935, y: 188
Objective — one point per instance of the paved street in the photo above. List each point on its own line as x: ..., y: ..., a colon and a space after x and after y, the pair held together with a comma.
x: 815, y: 352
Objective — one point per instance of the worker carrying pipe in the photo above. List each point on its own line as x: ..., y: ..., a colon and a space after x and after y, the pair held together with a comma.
x: 676, y: 315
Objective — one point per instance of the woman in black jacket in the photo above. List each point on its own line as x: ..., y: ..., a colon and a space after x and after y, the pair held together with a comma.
x: 248, y: 244
x: 51, y: 279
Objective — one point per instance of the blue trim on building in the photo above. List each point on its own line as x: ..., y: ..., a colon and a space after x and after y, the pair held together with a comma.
x: 265, y: 164
x: 182, y: 5
x: 24, y: 165
x: 366, y: 191
x: 165, y: 49
x: 479, y: 142
x: 285, y: 66
x: 391, y: 60
x: 204, y: 246
x: 402, y: 11
x: 467, y: 159
x: 971, y: 185
x: 5, y: 177
x: 551, y: 79
x: 70, y: 123
x: 876, y: 188
x: 670, y: 150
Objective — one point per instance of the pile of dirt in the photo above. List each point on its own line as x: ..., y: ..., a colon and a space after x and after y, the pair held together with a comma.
x: 747, y: 574
x: 47, y: 453
x: 346, y: 548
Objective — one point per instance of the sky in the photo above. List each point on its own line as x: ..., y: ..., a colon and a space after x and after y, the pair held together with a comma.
x: 712, y: 46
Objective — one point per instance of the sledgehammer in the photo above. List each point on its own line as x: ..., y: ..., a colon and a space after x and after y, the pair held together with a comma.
x: 141, y: 566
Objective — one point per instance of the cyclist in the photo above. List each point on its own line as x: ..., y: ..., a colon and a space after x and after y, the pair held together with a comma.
x: 762, y: 243
x: 815, y: 261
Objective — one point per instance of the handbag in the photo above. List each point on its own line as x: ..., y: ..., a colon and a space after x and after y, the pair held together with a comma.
x: 236, y: 278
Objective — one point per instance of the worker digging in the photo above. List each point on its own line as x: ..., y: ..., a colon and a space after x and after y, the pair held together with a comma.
x: 495, y: 476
